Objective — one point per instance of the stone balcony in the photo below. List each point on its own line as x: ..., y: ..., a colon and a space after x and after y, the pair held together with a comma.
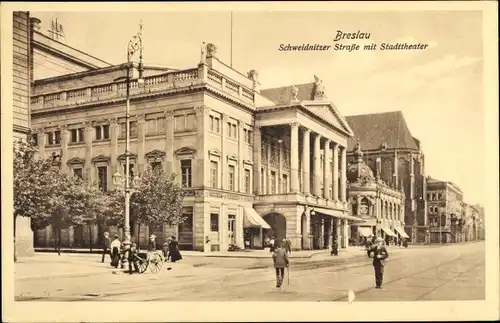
x: 302, y: 199
x: 169, y: 81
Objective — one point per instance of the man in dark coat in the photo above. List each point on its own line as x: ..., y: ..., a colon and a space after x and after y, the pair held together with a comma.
x: 335, y: 248
x: 280, y: 260
x: 173, y: 250
x: 379, y: 254
x: 105, y: 246
x: 133, y: 258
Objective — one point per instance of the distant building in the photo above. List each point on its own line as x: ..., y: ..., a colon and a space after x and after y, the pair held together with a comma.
x: 253, y: 163
x: 21, y: 112
x: 474, y: 222
x: 447, y: 218
x: 378, y: 204
x: 386, y: 140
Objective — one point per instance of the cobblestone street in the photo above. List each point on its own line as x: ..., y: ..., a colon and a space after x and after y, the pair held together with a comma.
x: 452, y: 272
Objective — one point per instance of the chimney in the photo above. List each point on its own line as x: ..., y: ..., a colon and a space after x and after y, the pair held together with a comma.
x: 35, y: 23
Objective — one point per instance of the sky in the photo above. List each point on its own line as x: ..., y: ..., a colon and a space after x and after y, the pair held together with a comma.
x: 439, y: 90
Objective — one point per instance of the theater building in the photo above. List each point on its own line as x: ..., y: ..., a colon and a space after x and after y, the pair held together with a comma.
x: 253, y: 163
x: 374, y: 201
x: 386, y: 137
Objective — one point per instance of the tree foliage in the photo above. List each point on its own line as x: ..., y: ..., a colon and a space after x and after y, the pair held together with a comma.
x: 158, y: 199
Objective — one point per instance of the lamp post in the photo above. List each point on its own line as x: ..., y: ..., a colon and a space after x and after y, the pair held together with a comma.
x: 134, y: 45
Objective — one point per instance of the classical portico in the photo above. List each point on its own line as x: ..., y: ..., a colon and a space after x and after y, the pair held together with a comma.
x: 301, y: 168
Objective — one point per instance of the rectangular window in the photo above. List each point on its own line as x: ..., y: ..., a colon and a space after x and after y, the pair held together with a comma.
x: 231, y: 171
x: 214, y: 222
x: 284, y: 189
x: 102, y: 175
x: 101, y: 132
x: 156, y: 165
x: 214, y: 124
x: 273, y: 183
x: 77, y: 135
x: 81, y: 134
x: 98, y: 132
x: 249, y: 137
x: 191, y: 121
x: 132, y: 131
x: 235, y: 131
x: 186, y: 172
x: 180, y: 123
x: 247, y: 181
x: 78, y: 172
x: 161, y: 125
x: 213, y: 174
x: 217, y: 125
x: 229, y: 130
x: 34, y: 139
x: 54, y: 138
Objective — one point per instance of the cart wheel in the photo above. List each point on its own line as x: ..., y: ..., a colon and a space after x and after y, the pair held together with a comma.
x: 155, y: 262
x: 143, y: 265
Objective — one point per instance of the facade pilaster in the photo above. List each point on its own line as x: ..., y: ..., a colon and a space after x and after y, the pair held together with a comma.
x: 64, y: 146
x: 257, y: 161
x: 343, y: 174
x: 317, y: 165
x: 294, y: 158
x: 202, y: 124
x: 169, y: 142
x: 113, y: 137
x: 326, y: 170
x: 281, y: 187
x: 223, y: 160
x: 141, y: 143
x: 88, y: 152
x: 306, y: 166
x: 42, y: 142
x: 335, y: 172
x: 241, y: 168
x: 306, y: 241
x: 268, y: 169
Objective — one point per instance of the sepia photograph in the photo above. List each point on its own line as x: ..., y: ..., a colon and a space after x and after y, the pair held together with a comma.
x: 198, y: 154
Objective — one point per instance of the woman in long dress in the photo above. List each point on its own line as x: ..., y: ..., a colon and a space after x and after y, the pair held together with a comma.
x: 173, y: 250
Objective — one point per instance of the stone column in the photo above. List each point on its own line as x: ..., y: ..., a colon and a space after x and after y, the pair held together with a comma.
x: 306, y: 240
x: 294, y: 158
x: 42, y: 142
x: 306, y: 166
x: 268, y: 169
x: 88, y: 152
x: 343, y: 177
x: 321, y: 232
x: 113, y: 136
x: 241, y: 168
x: 202, y: 124
x: 338, y: 233
x: 257, y: 161
x: 326, y: 170
x: 317, y: 165
x: 169, y: 143
x: 64, y: 147
x: 345, y: 234
x: 335, y: 172
x: 141, y: 143
x: 223, y: 159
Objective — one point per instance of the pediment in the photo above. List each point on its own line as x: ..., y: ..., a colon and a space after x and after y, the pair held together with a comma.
x: 155, y: 154
x: 330, y: 114
x: 214, y: 151
x: 101, y: 159
x: 76, y: 161
x: 232, y: 157
x: 185, y: 151
x: 124, y: 156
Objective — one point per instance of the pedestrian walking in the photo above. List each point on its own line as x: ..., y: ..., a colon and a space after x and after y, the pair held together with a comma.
x: 335, y: 248
x: 133, y: 258
x: 272, y: 244
x: 115, y: 251
x: 105, y: 246
x: 379, y: 254
x: 151, y: 245
x: 173, y: 250
x: 280, y: 260
x: 165, y: 248
x: 287, y: 244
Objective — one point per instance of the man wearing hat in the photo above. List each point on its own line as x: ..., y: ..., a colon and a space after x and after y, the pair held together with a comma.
x: 115, y: 251
x: 379, y: 254
x: 105, y: 246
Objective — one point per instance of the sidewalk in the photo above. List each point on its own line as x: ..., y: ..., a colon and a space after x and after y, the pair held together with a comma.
x: 188, y: 253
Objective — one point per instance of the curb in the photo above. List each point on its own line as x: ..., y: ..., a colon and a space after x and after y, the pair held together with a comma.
x: 206, y: 255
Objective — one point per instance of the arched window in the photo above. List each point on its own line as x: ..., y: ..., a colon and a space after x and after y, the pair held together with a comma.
x: 364, y: 207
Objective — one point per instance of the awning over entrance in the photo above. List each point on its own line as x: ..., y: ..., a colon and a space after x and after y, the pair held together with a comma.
x: 401, y: 232
x: 365, y: 231
x: 389, y: 232
x: 337, y: 214
x: 253, y: 220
